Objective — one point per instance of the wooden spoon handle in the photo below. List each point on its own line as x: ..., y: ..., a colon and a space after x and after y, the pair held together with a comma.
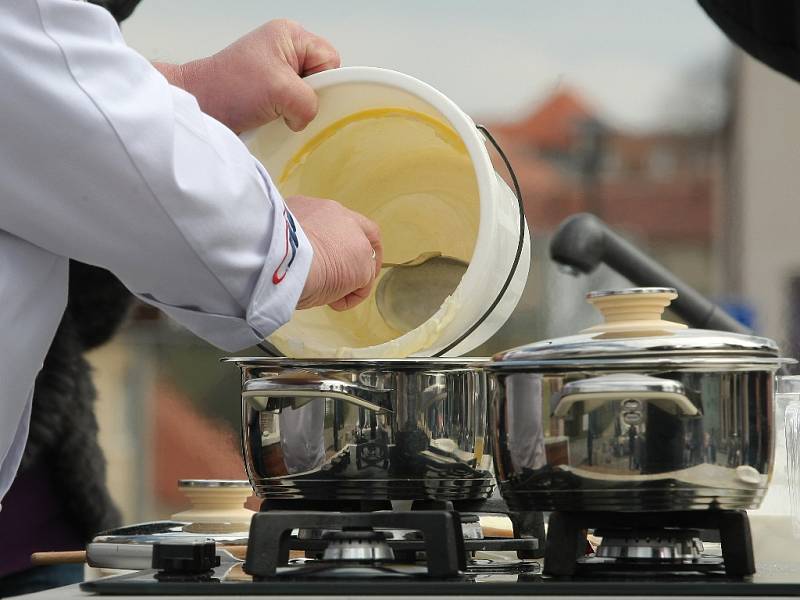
x: 237, y: 551
x: 79, y: 556
x: 58, y: 558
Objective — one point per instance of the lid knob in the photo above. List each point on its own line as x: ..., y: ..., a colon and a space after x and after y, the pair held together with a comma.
x: 217, y: 505
x: 633, y: 312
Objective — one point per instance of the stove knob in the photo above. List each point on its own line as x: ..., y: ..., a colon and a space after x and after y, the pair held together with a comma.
x: 187, y: 558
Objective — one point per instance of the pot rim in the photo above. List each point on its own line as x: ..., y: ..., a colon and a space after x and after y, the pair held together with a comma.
x: 681, y: 363
x: 213, y: 483
x: 685, y: 342
x: 476, y: 363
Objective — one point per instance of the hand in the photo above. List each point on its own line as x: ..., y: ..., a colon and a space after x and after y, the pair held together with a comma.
x: 343, y: 269
x: 258, y: 78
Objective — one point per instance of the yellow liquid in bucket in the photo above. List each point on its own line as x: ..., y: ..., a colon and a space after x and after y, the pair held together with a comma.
x: 406, y: 171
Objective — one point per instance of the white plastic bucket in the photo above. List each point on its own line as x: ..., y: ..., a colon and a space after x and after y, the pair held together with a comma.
x: 496, y: 276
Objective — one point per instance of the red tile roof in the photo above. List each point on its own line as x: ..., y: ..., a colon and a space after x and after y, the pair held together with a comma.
x: 553, y: 124
x: 674, y: 206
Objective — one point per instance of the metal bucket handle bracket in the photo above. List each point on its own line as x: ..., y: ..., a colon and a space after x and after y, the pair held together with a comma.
x: 520, y: 244
x: 597, y: 391
x: 259, y: 392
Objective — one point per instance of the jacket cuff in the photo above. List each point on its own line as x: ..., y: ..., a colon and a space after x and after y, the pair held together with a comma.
x: 286, y: 268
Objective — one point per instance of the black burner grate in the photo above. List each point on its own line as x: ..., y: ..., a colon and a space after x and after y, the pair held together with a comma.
x: 566, y: 540
x: 270, y: 537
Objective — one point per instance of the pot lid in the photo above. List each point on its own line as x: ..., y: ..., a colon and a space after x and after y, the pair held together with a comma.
x: 634, y: 329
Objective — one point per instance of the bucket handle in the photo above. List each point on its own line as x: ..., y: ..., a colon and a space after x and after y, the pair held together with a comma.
x: 271, y: 351
x: 520, y: 243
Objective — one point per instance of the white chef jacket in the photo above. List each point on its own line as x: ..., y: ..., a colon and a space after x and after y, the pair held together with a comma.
x: 101, y: 160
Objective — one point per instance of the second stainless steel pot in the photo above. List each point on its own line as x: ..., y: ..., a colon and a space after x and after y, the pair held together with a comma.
x: 404, y: 429
x: 637, y: 414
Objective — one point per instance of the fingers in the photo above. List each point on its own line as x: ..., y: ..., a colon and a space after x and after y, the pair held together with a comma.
x: 309, y: 53
x: 313, y: 54
x: 373, y: 233
x: 364, y: 270
x: 295, y: 100
x: 319, y: 55
x: 343, y: 269
x: 258, y: 78
x: 351, y: 300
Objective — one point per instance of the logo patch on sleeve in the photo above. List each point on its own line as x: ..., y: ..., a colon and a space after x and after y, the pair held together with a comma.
x: 292, y: 243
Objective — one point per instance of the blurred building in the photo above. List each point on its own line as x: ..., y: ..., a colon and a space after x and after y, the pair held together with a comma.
x: 759, y: 204
x: 656, y: 188
x: 167, y: 410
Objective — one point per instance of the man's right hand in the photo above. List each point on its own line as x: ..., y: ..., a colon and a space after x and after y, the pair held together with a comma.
x: 343, y: 269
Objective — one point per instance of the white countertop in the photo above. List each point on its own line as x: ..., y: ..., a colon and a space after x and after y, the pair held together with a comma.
x: 72, y: 592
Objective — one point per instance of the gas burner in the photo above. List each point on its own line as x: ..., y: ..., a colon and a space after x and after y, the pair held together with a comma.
x: 663, y: 542
x: 470, y: 529
x: 676, y: 546
x: 528, y: 526
x: 361, y: 552
x: 357, y: 537
x: 363, y: 546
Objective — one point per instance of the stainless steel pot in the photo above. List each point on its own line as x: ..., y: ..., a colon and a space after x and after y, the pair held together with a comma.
x: 402, y: 429
x: 637, y: 414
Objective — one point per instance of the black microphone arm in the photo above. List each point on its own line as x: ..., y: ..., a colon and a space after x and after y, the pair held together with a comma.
x: 583, y: 241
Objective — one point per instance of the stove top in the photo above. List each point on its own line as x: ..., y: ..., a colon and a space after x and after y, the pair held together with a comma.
x: 424, y: 552
x: 483, y: 577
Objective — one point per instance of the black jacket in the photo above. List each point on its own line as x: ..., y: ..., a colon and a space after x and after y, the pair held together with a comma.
x: 63, y: 429
x: 769, y: 30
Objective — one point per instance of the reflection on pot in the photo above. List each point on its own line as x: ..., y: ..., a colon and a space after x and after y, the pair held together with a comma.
x: 302, y: 437
x: 366, y: 430
x: 678, y: 440
x: 526, y: 440
x: 637, y: 413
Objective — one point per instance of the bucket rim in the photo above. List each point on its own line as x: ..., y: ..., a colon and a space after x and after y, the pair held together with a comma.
x: 490, y: 186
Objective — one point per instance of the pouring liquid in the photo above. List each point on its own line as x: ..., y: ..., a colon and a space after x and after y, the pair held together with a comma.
x: 406, y: 171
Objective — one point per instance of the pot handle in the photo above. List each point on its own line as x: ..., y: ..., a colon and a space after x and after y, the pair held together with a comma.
x: 595, y: 392
x: 259, y: 393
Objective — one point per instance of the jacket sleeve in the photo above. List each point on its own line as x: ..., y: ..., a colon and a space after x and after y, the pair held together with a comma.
x: 769, y: 30
x: 104, y: 162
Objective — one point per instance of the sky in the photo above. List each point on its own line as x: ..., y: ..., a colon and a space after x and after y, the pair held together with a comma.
x: 634, y: 61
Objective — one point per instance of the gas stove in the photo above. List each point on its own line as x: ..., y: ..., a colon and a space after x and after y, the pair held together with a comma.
x: 439, y: 551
